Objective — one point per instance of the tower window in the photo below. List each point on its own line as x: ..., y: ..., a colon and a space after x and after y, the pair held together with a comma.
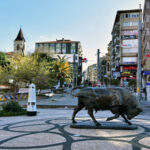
x: 18, y: 47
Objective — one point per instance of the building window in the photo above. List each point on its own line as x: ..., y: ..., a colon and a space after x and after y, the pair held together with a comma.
x: 36, y: 45
x: 147, y: 4
x: 58, y: 48
x: 52, y: 47
x: 131, y: 15
x: 46, y: 45
x: 147, y: 18
x: 128, y: 24
x: 148, y: 45
x: 64, y: 48
x: 18, y: 47
x: 147, y: 31
x: 73, y: 48
x: 40, y: 45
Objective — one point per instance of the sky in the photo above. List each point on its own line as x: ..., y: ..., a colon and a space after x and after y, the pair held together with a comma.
x: 87, y: 21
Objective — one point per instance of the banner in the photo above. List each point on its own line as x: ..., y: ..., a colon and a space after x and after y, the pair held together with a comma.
x: 130, y: 50
x: 130, y: 32
x: 126, y: 37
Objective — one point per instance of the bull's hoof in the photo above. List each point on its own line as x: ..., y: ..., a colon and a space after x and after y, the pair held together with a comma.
x: 74, y: 122
x: 108, y: 119
x: 129, y: 123
x: 97, y: 124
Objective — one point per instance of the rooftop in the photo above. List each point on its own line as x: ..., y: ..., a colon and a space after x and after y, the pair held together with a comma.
x: 58, y: 41
x: 20, y: 36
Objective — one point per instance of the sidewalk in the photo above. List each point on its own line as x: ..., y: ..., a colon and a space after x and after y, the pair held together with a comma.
x: 55, y: 101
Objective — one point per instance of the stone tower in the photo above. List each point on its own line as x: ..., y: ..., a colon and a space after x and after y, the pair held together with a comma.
x: 19, y: 44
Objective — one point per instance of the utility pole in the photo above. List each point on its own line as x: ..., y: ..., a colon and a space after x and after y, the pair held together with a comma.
x: 98, y: 66
x: 139, y: 69
x: 74, y: 72
x: 103, y: 73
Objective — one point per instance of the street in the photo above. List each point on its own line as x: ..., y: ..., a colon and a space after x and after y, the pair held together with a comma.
x: 50, y: 130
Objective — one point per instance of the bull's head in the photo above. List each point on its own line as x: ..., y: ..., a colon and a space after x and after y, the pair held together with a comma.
x: 133, y: 108
x: 134, y: 112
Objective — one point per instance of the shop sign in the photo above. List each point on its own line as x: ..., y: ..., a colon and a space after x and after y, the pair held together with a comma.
x: 129, y: 68
x: 130, y: 50
x: 129, y: 60
x: 126, y: 74
x: 148, y: 55
x: 130, y: 32
x: 126, y: 37
x: 146, y: 73
x: 130, y: 43
x: 116, y: 74
x: 125, y: 78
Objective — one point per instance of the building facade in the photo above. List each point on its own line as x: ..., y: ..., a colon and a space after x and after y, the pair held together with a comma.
x: 91, y: 75
x: 146, y: 43
x: 19, y: 44
x: 65, y: 48
x: 124, y: 51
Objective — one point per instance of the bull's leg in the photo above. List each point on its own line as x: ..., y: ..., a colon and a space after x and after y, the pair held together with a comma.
x: 114, y: 117
x: 126, y: 120
x: 90, y: 112
x: 76, y: 110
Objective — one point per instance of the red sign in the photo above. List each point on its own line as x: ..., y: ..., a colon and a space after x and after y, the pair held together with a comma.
x: 84, y: 60
x: 148, y: 55
x: 129, y: 68
x: 128, y: 78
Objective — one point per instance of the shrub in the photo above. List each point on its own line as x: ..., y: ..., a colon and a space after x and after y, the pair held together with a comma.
x: 12, y: 108
x: 132, y: 83
x: 115, y: 82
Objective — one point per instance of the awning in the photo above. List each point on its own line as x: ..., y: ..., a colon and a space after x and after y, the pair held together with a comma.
x: 146, y: 73
x: 128, y: 77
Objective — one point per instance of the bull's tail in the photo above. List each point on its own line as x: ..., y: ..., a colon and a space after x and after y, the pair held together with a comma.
x: 74, y: 91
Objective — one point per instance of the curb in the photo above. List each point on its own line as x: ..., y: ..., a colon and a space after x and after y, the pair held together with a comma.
x: 52, y: 106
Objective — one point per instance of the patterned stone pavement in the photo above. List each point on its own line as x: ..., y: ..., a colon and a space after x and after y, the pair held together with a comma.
x: 54, y: 133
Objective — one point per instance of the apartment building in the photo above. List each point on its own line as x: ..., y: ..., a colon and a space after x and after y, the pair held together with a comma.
x: 146, y: 43
x: 65, y: 48
x: 124, y: 52
x: 90, y: 75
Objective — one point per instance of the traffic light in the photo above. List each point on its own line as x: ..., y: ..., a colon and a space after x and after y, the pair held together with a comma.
x: 84, y: 60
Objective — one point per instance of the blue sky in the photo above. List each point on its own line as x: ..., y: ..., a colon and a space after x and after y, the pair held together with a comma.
x: 88, y: 21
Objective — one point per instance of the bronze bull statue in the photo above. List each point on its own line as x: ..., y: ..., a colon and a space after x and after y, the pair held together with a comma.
x: 119, y: 101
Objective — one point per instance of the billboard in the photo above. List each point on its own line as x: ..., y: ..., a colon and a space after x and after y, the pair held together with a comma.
x: 130, y: 32
x: 116, y: 74
x: 129, y: 60
x: 130, y: 43
x: 126, y: 37
x: 130, y: 50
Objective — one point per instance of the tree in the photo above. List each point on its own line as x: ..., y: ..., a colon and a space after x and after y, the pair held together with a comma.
x: 62, y: 70
x: 3, y: 59
x: 4, y: 74
x: 114, y: 82
x: 26, y: 70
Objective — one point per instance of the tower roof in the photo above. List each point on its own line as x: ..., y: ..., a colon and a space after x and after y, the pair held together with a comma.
x: 20, y: 36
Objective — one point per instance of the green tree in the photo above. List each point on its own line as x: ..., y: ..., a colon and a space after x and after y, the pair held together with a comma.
x: 62, y: 70
x: 3, y: 59
x: 114, y: 82
x: 132, y: 83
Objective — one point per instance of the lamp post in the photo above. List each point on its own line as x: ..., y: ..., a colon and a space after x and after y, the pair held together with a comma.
x: 139, y: 77
x: 98, y: 66
x: 74, y: 72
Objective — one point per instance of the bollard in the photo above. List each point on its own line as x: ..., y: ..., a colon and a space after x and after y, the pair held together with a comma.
x: 31, y: 106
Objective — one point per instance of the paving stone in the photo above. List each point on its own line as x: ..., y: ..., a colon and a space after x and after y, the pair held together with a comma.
x: 101, y: 145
